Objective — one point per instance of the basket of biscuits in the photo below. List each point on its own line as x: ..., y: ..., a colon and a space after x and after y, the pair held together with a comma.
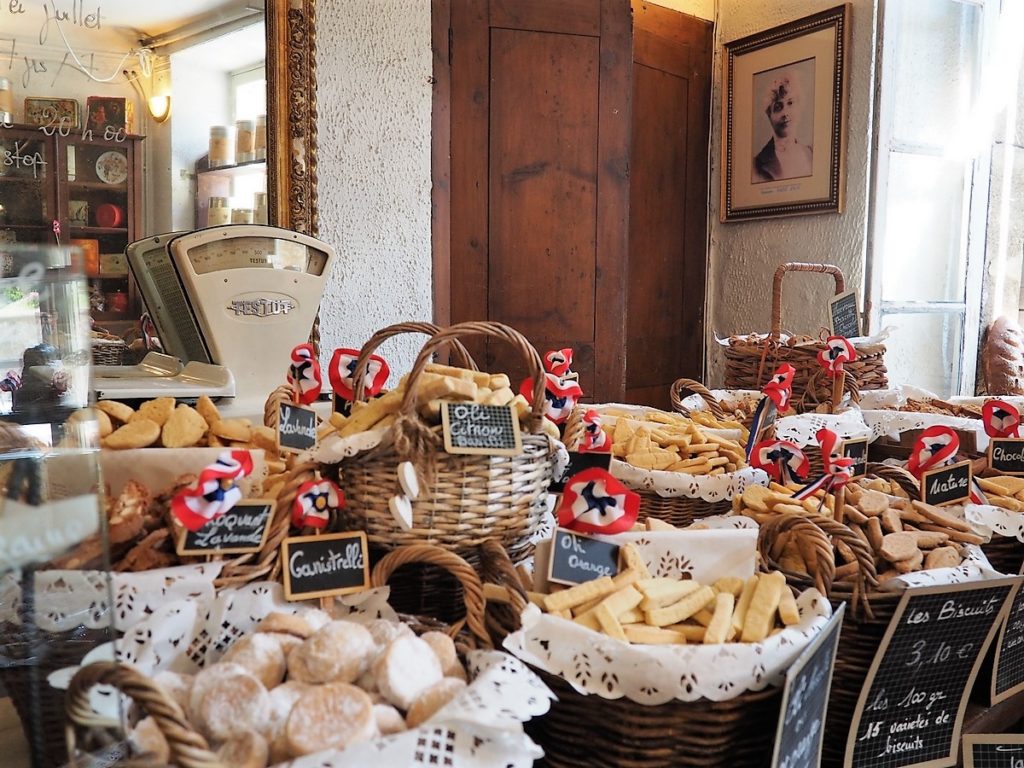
x: 266, y: 682
x: 750, y: 360
x: 724, y: 406
x: 681, y: 468
x: 1003, y: 517
x: 674, y: 660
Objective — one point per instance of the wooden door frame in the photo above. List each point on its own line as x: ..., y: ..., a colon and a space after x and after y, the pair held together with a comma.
x: 441, y: 161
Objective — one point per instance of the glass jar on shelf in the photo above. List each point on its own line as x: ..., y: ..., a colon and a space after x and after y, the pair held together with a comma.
x: 241, y: 216
x: 260, y: 140
x: 220, y: 151
x: 218, y: 212
x: 245, y: 141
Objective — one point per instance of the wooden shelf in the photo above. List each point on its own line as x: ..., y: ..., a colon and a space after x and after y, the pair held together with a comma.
x: 99, y: 230
x: 41, y: 225
x: 253, y: 167
x: 99, y: 185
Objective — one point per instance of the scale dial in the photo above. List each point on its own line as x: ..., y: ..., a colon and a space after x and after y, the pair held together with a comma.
x: 256, y: 252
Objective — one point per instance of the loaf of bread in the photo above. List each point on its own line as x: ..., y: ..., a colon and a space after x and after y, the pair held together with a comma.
x: 1003, y: 358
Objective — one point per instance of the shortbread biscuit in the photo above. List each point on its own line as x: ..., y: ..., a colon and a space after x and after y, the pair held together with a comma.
x: 899, y: 546
x: 183, y: 428
x: 333, y: 716
x: 290, y: 623
x: 106, y: 426
x: 207, y: 409
x: 389, y: 720
x: 137, y: 434
x: 406, y: 668
x: 115, y: 410
x: 443, y: 647
x: 262, y: 655
x: 337, y: 653
x: 232, y: 706
x: 942, y: 557
x: 432, y: 699
x: 265, y: 438
x: 247, y: 750
x: 158, y: 411
x: 150, y: 741
x: 232, y: 429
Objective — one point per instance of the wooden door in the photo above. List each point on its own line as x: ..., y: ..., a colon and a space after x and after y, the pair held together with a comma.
x: 539, y: 128
x: 668, y: 201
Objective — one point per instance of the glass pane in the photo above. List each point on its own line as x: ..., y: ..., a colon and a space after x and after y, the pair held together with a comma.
x: 935, y: 55
x: 922, y: 256
x: 25, y: 165
x: 924, y: 350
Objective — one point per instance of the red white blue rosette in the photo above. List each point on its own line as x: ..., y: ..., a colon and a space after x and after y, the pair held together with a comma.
x: 593, y: 501
x: 1000, y: 419
x: 558, y: 361
x: 304, y: 373
x: 313, y: 503
x: 595, y: 439
x: 782, y: 460
x: 342, y: 370
x: 837, y: 352
x: 560, y: 396
x: 216, y: 491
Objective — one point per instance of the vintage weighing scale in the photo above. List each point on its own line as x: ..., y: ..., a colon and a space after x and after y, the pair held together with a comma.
x: 229, y: 304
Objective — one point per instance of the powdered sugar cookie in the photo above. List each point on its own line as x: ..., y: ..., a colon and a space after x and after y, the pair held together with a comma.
x: 389, y: 720
x: 385, y: 631
x: 291, y: 623
x: 177, y: 686
x: 332, y: 716
x: 205, y: 680
x: 287, y: 642
x: 336, y: 653
x: 432, y: 699
x: 247, y: 750
x: 150, y: 740
x: 315, y: 618
x: 282, y: 699
x: 262, y: 655
x: 444, y: 647
x: 406, y: 668
x: 233, y: 705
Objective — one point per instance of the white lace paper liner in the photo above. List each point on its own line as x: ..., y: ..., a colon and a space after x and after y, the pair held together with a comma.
x: 654, y: 674
x: 670, y: 484
x: 989, y: 519
x: 975, y: 567
x: 893, y: 423
x: 697, y: 403
x: 68, y: 599
x: 638, y: 420
x: 482, y: 726
x: 803, y: 429
x: 878, y: 338
x: 334, y: 448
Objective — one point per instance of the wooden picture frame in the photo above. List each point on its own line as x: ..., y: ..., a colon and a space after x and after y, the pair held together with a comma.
x: 62, y: 113
x: 784, y: 119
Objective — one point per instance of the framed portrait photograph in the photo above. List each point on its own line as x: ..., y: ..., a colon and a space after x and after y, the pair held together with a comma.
x: 784, y: 119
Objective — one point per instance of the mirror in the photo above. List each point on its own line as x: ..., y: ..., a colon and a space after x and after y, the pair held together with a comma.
x: 106, y: 108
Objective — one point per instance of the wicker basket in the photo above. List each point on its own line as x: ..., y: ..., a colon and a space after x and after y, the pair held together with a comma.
x: 464, y: 499
x: 749, y: 363
x: 484, y: 627
x: 106, y: 352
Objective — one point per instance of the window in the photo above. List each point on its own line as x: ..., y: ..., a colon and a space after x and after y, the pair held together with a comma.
x: 248, y: 89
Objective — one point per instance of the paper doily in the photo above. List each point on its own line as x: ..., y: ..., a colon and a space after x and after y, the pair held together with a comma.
x: 803, y: 429
x: 668, y: 484
x: 975, y: 567
x: 892, y: 423
x: 989, y: 519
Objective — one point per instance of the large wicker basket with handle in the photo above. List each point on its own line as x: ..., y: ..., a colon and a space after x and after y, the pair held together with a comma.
x: 750, y: 361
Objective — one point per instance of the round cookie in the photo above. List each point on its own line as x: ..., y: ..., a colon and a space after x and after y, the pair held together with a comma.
x: 282, y: 699
x: 291, y: 623
x: 262, y: 655
x: 158, y: 410
x: 444, y: 647
x: 389, y: 720
x: 205, y: 679
x: 247, y: 750
x: 137, y: 434
x: 406, y: 668
x: 432, y: 699
x: 233, y: 706
x: 177, y: 686
x: 150, y: 740
x: 288, y: 643
x: 183, y: 428
x: 332, y: 716
x: 385, y: 631
x: 316, y: 618
x: 339, y: 652
x: 237, y: 430
x: 115, y: 410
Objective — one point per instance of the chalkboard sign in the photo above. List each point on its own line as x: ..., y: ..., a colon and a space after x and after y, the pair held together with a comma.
x: 845, y: 315
x: 320, y: 566
x: 993, y: 750
x: 341, y: 405
x: 576, y: 558
x: 1008, y: 670
x: 857, y: 449
x: 801, y: 728
x: 911, y: 707
x: 491, y: 430
x: 1006, y: 455
x: 296, y: 428
x: 241, y: 529
x: 947, y: 485
x: 577, y: 463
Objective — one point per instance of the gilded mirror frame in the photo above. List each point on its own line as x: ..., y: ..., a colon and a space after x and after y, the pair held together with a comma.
x: 291, y: 114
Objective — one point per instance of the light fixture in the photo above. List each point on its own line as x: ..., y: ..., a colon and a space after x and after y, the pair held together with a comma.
x: 160, y: 107
x: 157, y: 97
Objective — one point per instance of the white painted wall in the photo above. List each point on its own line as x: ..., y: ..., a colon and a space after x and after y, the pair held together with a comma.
x: 743, y: 255
x: 374, y: 103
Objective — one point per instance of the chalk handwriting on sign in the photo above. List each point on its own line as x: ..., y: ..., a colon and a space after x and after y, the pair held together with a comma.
x: 993, y: 750
x: 947, y: 485
x: 22, y: 157
x: 911, y: 707
x: 321, y: 566
x: 481, y: 429
x: 296, y: 428
x: 1006, y: 455
x: 1008, y: 670
x: 242, y: 529
x: 576, y: 558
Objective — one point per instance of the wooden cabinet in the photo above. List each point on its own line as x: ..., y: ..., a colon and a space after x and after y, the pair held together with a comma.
x: 77, y: 190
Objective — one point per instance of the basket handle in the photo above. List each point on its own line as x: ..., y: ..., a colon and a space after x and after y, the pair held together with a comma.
x: 188, y: 748
x: 797, y: 266
x: 682, y: 385
x: 769, y: 545
x: 478, y: 328
x: 472, y: 588
x: 459, y: 352
x: 903, y: 478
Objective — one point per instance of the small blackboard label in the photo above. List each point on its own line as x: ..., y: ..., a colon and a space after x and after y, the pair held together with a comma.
x: 911, y: 708
x: 491, y: 430
x: 845, y: 315
x: 857, y: 449
x: 576, y: 558
x: 801, y: 728
x: 321, y: 566
x: 577, y: 463
x: 947, y: 485
x: 1008, y: 670
x: 341, y: 405
x: 1006, y: 455
x: 296, y: 428
x: 993, y: 750
x: 241, y: 529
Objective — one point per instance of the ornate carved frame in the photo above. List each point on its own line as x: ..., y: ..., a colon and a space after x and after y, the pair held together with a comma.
x: 291, y: 114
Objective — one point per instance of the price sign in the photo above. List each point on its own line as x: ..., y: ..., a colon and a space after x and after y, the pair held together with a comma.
x: 1006, y: 455
x: 857, y: 449
x: 321, y: 566
x: 296, y: 428
x: 577, y: 463
x: 492, y: 430
x: 947, y: 485
x: 845, y: 315
x: 576, y: 558
x: 241, y: 529
x: 911, y: 707
x: 805, y: 700
x: 993, y: 750
x: 1008, y: 670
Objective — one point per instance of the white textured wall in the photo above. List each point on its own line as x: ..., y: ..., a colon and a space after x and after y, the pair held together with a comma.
x: 743, y: 255
x: 373, y: 65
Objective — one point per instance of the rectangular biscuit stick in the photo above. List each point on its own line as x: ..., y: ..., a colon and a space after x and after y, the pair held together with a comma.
x: 740, y: 613
x: 661, y: 592
x: 681, y: 610
x: 581, y: 593
x: 721, y: 622
x: 644, y: 635
x: 763, y: 605
x: 609, y: 623
x: 694, y: 633
x: 622, y: 601
x: 630, y: 559
x: 788, y: 611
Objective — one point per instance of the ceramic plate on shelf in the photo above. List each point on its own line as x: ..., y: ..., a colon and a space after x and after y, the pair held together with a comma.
x: 112, y: 167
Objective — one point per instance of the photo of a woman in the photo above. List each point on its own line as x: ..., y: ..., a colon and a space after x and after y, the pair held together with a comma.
x: 784, y: 114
